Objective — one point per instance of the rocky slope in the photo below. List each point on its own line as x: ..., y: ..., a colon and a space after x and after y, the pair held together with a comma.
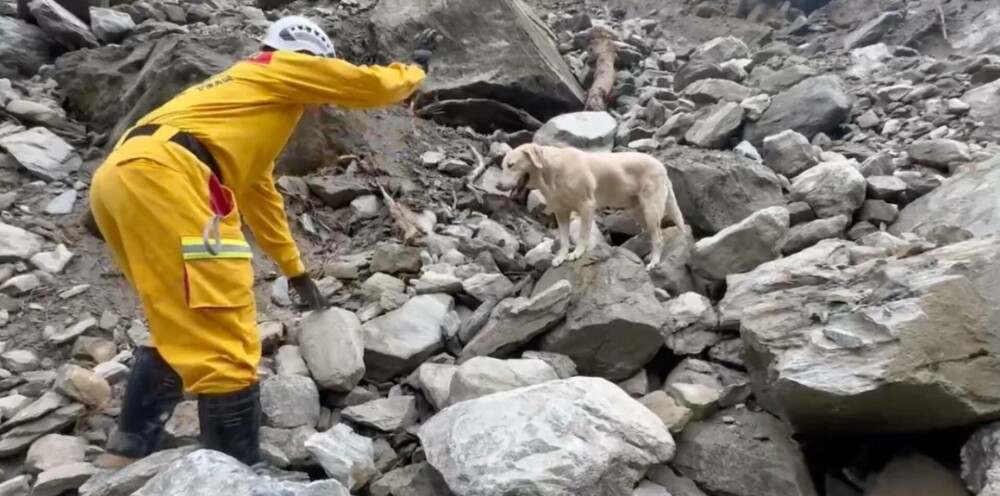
x: 827, y: 326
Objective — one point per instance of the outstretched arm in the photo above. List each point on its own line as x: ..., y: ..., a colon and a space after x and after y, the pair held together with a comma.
x: 311, y: 80
x: 264, y: 210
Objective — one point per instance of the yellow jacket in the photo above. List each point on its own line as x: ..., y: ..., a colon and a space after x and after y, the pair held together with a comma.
x: 246, y: 114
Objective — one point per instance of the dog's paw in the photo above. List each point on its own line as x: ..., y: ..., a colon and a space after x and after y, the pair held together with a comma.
x: 652, y: 265
x: 558, y: 260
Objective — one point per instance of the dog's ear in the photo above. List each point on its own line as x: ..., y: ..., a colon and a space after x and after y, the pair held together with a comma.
x: 535, y: 154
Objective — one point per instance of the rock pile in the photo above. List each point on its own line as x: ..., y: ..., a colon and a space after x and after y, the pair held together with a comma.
x: 839, y: 276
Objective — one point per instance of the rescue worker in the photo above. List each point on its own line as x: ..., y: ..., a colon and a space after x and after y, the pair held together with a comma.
x: 168, y: 201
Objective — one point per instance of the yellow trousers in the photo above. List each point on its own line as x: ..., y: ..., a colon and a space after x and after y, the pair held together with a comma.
x: 200, y: 306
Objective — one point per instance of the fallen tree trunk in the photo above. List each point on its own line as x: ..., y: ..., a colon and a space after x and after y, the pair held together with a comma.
x: 604, y: 54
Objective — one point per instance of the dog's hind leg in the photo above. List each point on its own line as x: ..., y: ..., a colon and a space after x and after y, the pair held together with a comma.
x: 586, y: 223
x: 562, y: 220
x: 673, y: 211
x: 652, y: 214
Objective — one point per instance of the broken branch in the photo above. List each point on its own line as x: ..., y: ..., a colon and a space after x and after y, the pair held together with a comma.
x: 604, y: 53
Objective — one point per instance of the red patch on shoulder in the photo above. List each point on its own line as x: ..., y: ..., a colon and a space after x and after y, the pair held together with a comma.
x: 263, y: 58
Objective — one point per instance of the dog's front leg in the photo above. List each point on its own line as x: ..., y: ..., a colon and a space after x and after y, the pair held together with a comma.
x: 586, y: 222
x: 562, y: 219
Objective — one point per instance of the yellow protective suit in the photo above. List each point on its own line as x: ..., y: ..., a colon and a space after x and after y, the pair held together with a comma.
x: 150, y: 200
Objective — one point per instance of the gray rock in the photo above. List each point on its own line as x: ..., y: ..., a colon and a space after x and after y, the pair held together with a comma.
x: 647, y: 488
x: 743, y: 246
x: 755, y: 106
x: 474, y: 444
x: 867, y: 352
x: 54, y: 450
x: 289, y: 401
x: 345, y: 456
x: 379, y: 284
x: 486, y: 287
x: 815, y: 105
x: 64, y: 27
x: 11, y: 405
x: 751, y: 456
x: 594, y: 131
x: 396, y: 343
x: 24, y: 48
x: 394, y: 258
x: 17, y: 245
x: 73, y: 332
x: 786, y: 78
x: 42, y: 153
x: 873, y: 31
x: 63, y: 478
x: 290, y: 362
x: 800, y: 212
x: 674, y: 416
x: 612, y: 294
x: 716, y: 90
x: 434, y: 379
x: 337, y: 191
x: 562, y: 364
x: 718, y: 189
x: 184, y: 426
x: 367, y: 207
x: 747, y: 150
x: 831, y: 189
x: 913, y: 473
x: 516, y: 62
x: 20, y: 285
x: 888, y: 188
x: 704, y: 387
x: 805, y: 235
x: 789, y: 153
x: 435, y: 282
x: 419, y: 479
x: 966, y: 200
x: 47, y: 403
x: 130, y: 479
x: 868, y: 120
x: 83, y: 385
x: 637, y: 385
x: 288, y: 444
x: 208, y: 472
x: 985, y: 108
x: 696, y: 70
x: 17, y: 486
x: 878, y: 212
x: 721, y: 49
x: 20, y: 437
x: 54, y: 261
x: 110, y: 26
x: 939, y: 153
x: 388, y: 414
x: 481, y: 376
x: 690, y: 328
x: 332, y: 344
x: 113, y: 372
x: 675, y: 484
x: 715, y: 129
x: 494, y: 234
x: 980, y: 458
x: 515, y: 321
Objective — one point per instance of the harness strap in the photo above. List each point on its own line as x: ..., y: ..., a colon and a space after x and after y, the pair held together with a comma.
x: 186, y: 141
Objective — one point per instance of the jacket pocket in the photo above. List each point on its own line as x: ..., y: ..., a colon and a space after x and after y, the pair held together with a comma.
x: 217, y: 280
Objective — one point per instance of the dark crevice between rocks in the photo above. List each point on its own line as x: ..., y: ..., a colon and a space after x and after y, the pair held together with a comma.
x: 847, y: 465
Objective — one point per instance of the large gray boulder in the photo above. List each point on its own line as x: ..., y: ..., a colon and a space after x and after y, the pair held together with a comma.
x: 289, y: 401
x: 873, y: 30
x: 743, y: 453
x: 481, y: 446
x: 332, y: 345
x: 815, y: 105
x: 716, y: 127
x: 967, y: 200
x: 741, y: 247
x: 494, y: 50
x: 516, y: 321
x: 916, y: 332
x: 211, y: 473
x: 481, y: 376
x: 130, y: 479
x: 42, y: 153
x: 939, y: 153
x: 399, y: 341
x: 593, y: 131
x: 831, y: 189
x: 985, y: 109
x: 789, y: 153
x: 24, y: 48
x: 62, y: 25
x: 612, y: 296
x: 716, y: 189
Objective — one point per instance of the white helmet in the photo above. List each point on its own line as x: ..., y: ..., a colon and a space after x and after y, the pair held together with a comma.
x: 296, y: 33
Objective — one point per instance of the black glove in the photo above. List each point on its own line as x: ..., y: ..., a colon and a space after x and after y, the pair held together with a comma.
x: 308, y: 292
x: 422, y: 58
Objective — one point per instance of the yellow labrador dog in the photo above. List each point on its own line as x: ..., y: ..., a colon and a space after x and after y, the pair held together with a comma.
x: 573, y: 180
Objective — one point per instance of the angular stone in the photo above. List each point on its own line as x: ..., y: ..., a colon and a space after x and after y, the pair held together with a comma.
x: 474, y: 444
x: 873, y: 30
x: 715, y: 129
x: 789, y: 153
x: 113, y: 372
x: 562, y: 364
x: 388, y: 415
x: 130, y: 479
x: 594, y: 131
x: 47, y: 403
x: 696, y: 70
x: 83, y: 385
x: 419, y: 479
x: 805, y: 235
x: 647, y: 488
x: 515, y: 321
x: 184, y: 426
x: 110, y: 26
x: 290, y: 361
x: 62, y: 25
x: 675, y: 484
x: 337, y: 191
x: 721, y: 49
x: 211, y: 473
x: 54, y: 450
x: 495, y: 234
x: 93, y: 349
x: 611, y: 294
x: 743, y: 246
x: 74, y: 331
x: 752, y: 456
x: 878, y: 212
x: 485, y: 287
x: 786, y: 78
x: 482, y: 376
x: 63, y: 478
x: 19, y: 361
x: 20, y: 285
x: 42, y: 153
x: 20, y: 438
x: 24, y: 48
x: 888, y: 188
x: 939, y: 153
x: 716, y: 90
x: 674, y: 416
x: 332, y: 344
x: 755, y: 106
x: 434, y: 379
x: 914, y: 473
x: 690, y: 328
x: 289, y: 402
x: 345, y: 456
x: 290, y: 443
x: 11, y: 405
x: 966, y: 200
x: 396, y: 343
x: 17, y: 245
x: 393, y: 258
x: 831, y: 189
x: 18, y: 486
x: 62, y: 204
x: 54, y: 261
x: 815, y: 105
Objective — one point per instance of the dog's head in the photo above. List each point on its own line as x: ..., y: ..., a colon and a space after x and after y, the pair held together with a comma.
x: 517, y: 168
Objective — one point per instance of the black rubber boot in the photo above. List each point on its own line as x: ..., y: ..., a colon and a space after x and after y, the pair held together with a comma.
x: 230, y: 423
x: 153, y: 390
